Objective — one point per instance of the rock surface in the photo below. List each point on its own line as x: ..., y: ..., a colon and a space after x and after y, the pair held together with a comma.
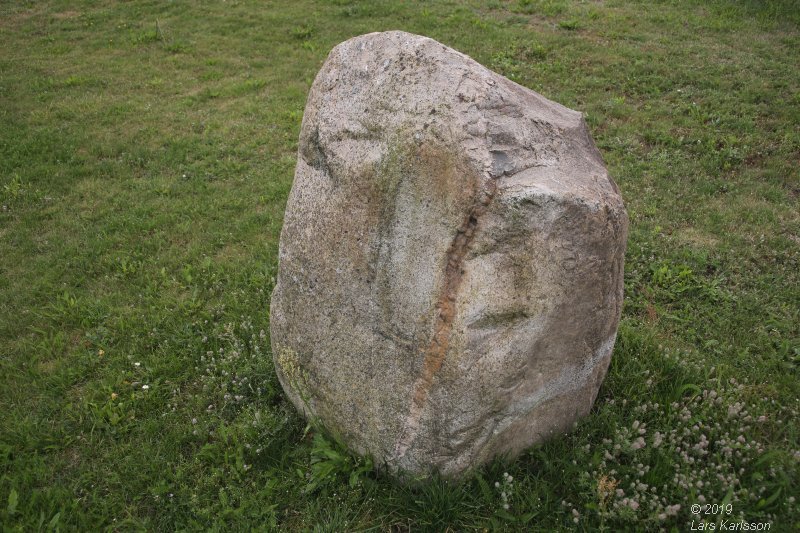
x: 451, y: 259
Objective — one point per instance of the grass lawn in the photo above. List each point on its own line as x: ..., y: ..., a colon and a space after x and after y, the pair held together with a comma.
x: 146, y: 153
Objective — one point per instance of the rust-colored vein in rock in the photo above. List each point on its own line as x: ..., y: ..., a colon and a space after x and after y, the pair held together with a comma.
x: 436, y: 350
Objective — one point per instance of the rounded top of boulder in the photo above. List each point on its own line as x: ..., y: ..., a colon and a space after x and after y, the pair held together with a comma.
x: 379, y: 84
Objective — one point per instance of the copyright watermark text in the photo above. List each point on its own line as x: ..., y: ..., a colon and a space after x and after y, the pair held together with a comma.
x: 717, y: 517
x: 730, y: 525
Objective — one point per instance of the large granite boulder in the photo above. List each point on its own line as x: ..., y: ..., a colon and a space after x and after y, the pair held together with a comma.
x: 451, y: 259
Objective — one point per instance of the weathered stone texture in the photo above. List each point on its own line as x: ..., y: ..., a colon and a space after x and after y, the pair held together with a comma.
x: 451, y: 259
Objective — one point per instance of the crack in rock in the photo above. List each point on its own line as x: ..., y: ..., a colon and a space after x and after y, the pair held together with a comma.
x: 436, y: 350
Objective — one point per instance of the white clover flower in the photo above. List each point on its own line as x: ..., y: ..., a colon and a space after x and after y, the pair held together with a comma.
x: 657, y: 439
x: 672, y: 510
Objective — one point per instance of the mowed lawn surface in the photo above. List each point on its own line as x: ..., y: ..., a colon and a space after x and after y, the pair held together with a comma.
x: 146, y: 153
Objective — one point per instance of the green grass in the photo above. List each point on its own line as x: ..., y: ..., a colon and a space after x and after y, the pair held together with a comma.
x: 146, y: 153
